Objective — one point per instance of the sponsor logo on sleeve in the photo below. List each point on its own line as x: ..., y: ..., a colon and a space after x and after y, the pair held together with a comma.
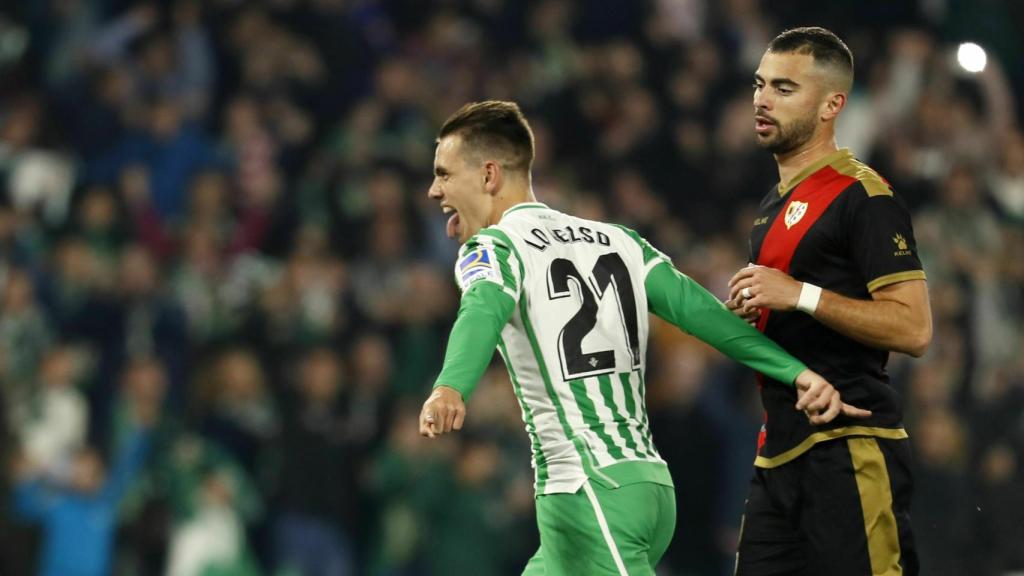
x: 901, y: 246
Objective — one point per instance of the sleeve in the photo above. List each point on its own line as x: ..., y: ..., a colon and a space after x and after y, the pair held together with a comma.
x: 489, y: 257
x: 676, y: 298
x: 881, y: 240
x: 490, y: 277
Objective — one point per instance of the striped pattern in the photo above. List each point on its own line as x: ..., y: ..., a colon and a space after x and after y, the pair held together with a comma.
x: 576, y: 426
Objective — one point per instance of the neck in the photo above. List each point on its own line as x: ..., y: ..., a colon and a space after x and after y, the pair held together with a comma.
x: 514, y: 192
x: 791, y: 163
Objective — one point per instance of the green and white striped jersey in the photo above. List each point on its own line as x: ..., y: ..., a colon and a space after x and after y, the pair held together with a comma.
x: 565, y: 300
x: 576, y: 343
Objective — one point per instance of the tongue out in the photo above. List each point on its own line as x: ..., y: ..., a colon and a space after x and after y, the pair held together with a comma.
x: 453, y: 225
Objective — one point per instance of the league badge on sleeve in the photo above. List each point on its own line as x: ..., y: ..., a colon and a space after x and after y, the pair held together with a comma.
x: 477, y: 264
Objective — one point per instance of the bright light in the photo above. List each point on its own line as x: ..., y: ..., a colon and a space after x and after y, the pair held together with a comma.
x: 971, y: 57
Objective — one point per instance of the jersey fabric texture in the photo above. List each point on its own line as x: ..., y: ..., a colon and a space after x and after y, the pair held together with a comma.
x: 839, y: 226
x: 565, y: 301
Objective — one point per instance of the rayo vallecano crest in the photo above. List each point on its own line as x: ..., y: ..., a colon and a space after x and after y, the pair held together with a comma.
x: 794, y: 212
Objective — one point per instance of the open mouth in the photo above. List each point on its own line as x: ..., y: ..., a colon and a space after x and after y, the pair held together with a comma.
x: 762, y: 124
x: 452, y: 229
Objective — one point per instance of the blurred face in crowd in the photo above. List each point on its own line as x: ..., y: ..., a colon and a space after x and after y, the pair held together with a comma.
x: 98, y: 211
x: 145, y: 381
x: 794, y: 99
x: 217, y: 489
x: 372, y: 362
x: 321, y: 376
x: 240, y: 379
x: 164, y: 119
x: 18, y: 293
x: 58, y: 368
x: 138, y: 274
x: 462, y: 186
x: 209, y: 194
x: 87, y: 472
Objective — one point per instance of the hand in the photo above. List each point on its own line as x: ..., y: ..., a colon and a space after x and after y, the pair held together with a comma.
x: 739, y: 307
x: 443, y: 412
x: 821, y: 401
x: 765, y: 288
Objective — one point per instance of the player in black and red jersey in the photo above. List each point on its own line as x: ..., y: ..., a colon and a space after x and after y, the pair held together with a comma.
x: 837, y: 282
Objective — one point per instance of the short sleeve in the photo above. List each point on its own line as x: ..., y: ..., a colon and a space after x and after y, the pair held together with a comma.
x: 488, y: 258
x: 881, y: 240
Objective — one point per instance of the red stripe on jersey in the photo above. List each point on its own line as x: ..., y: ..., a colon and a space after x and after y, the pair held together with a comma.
x: 818, y: 191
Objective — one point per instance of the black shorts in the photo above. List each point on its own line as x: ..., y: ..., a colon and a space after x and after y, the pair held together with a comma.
x: 841, y: 509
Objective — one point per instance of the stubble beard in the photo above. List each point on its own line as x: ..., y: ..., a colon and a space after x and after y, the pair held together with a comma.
x: 791, y: 136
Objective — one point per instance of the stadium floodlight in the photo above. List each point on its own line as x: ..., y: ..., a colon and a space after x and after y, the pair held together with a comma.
x: 971, y: 57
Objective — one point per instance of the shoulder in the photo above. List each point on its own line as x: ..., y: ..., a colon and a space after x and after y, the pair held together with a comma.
x: 628, y: 232
x: 490, y: 252
x: 867, y: 192
x: 864, y: 181
x: 495, y: 236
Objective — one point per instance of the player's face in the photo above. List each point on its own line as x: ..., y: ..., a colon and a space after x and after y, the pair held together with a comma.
x: 459, y: 187
x: 787, y: 98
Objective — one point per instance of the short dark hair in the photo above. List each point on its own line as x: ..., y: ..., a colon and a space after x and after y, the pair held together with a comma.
x: 496, y: 126
x: 825, y: 47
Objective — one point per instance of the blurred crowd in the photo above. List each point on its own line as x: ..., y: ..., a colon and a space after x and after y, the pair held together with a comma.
x: 224, y: 293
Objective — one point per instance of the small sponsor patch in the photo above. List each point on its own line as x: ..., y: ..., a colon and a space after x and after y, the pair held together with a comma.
x: 478, y: 264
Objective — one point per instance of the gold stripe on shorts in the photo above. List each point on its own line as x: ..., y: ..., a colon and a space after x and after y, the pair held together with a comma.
x: 876, y: 502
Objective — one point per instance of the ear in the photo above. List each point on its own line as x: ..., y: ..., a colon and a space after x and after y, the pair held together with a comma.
x: 493, y: 177
x: 833, y: 104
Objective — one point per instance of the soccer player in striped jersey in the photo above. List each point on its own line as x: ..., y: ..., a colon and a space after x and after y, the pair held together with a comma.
x: 565, y: 301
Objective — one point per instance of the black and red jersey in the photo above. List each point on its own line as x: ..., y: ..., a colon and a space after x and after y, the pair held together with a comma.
x: 837, y: 225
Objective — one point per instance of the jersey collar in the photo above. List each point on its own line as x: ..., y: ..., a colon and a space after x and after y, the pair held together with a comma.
x: 842, y: 153
x: 523, y: 206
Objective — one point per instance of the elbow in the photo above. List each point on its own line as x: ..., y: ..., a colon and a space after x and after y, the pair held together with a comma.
x: 919, y: 341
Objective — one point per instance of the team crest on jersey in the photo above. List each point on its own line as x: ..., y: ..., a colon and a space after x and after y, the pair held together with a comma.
x: 478, y: 264
x: 794, y: 213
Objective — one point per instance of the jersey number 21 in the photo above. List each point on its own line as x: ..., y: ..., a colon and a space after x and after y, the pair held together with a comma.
x: 609, y: 270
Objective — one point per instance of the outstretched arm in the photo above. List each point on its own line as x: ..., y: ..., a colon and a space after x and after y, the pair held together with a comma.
x: 676, y: 298
x: 484, y: 310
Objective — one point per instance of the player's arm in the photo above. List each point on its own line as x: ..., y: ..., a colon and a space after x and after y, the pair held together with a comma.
x: 881, y: 239
x: 898, y: 316
x: 483, y: 312
x: 489, y: 287
x: 678, y: 299
x: 675, y: 297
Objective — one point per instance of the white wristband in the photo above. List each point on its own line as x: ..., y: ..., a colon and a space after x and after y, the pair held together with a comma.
x: 808, y: 300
